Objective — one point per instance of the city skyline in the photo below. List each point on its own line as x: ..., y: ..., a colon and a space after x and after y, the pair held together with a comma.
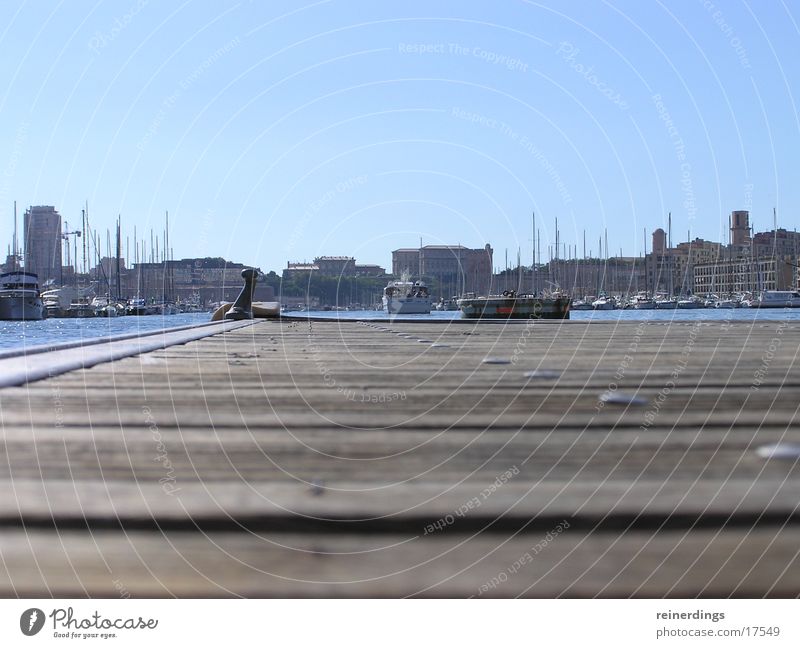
x: 741, y: 231
x: 284, y: 132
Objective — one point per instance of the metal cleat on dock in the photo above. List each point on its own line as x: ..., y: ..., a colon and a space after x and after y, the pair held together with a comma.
x: 243, y: 306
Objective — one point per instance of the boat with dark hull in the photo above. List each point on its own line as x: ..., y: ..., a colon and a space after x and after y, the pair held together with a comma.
x: 19, y: 296
x: 509, y: 305
x: 139, y: 306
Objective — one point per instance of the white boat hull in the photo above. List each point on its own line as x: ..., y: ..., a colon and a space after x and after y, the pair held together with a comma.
x: 21, y: 307
x: 407, y: 305
x: 777, y: 299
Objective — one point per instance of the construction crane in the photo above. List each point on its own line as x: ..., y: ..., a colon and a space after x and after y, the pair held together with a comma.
x: 65, y: 236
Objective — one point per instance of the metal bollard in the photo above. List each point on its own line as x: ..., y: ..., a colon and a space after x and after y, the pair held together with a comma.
x: 243, y: 306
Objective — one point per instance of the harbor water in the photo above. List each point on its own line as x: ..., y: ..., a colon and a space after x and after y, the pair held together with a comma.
x: 21, y: 335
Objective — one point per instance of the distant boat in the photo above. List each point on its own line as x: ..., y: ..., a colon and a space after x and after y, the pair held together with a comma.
x: 666, y: 303
x: 167, y: 308
x: 19, y: 296
x: 139, y: 306
x: 641, y: 302
x: 509, y: 305
x: 447, y: 304
x: 604, y: 303
x: 81, y: 307
x: 690, y: 303
x: 406, y: 298
x: 581, y: 305
x: 104, y: 307
x: 58, y: 300
x: 777, y: 299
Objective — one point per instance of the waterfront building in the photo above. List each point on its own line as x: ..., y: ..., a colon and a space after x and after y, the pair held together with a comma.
x: 743, y: 274
x: 405, y: 260
x: 205, y: 279
x: 456, y: 269
x: 331, y: 266
x: 294, y: 269
x: 42, y: 242
x: 335, y: 266
x: 671, y: 270
x: 590, y: 276
x: 369, y: 270
x: 780, y: 243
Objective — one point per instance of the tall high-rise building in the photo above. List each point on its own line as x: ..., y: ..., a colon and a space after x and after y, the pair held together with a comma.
x: 42, y: 235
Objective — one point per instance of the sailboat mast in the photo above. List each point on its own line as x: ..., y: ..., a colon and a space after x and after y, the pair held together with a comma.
x: 14, y: 245
x: 84, y: 242
x: 119, y: 251
x: 669, y: 251
x: 556, y: 250
x: 167, y: 268
x: 533, y: 253
x: 775, y: 244
x: 583, y: 272
x: 538, y: 253
x: 108, y: 256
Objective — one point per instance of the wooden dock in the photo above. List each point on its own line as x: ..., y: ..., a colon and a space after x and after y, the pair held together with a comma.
x: 296, y: 458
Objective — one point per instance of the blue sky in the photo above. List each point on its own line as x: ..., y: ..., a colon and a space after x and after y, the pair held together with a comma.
x: 276, y: 131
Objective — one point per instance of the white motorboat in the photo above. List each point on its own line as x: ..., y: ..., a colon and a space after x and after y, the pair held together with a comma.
x: 104, y: 307
x: 641, y: 302
x: 406, y: 298
x: 447, y: 304
x: 57, y: 301
x: 167, y: 308
x: 19, y: 296
x: 581, y: 305
x: 777, y: 299
x: 690, y: 303
x: 604, y: 303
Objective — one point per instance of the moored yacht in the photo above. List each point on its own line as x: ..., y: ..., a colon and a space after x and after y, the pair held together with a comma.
x: 584, y: 304
x: 777, y: 299
x: 509, y: 305
x: 139, y: 306
x: 729, y: 302
x: 690, y: 302
x: 641, y: 301
x: 406, y: 298
x: 19, y: 296
x: 604, y: 303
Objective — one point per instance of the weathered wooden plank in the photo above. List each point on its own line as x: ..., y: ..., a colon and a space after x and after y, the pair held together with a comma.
x: 263, y: 459
x: 481, y: 500
x: 763, y: 562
